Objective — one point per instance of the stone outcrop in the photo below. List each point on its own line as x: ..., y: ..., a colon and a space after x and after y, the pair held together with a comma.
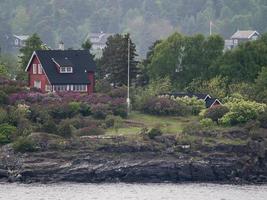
x: 133, y: 162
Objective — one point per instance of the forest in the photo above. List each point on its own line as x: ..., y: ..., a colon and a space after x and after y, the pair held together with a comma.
x: 145, y: 20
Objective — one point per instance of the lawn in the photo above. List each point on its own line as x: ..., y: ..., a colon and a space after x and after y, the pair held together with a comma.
x: 137, y: 121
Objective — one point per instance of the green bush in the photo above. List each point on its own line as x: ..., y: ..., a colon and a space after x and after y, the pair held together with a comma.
x: 216, y: 112
x: 192, y: 128
x: 154, y: 132
x: 206, y: 123
x: 3, y: 115
x: 85, y: 109
x: 195, y: 105
x: 65, y: 129
x: 3, y: 97
x: 49, y: 126
x: 24, y: 144
x: 263, y: 119
x: 241, y: 111
x: 7, y: 133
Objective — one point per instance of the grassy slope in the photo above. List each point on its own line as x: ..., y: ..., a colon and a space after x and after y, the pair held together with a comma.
x: 137, y: 121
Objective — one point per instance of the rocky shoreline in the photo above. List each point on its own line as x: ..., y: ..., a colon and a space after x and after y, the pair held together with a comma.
x: 133, y: 162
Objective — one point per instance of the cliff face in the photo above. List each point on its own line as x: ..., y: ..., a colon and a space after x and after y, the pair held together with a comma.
x: 158, y: 160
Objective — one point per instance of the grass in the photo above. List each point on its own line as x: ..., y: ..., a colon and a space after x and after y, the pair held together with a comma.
x: 136, y: 121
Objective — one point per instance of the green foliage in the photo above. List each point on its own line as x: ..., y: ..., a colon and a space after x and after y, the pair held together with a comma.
x: 216, y: 112
x: 3, y: 115
x: 24, y: 144
x: 65, y: 129
x: 216, y: 87
x: 154, y: 132
x: 196, y: 105
x: 7, y: 132
x: 49, y: 126
x: 185, y: 58
x: 263, y: 119
x: 156, y: 87
x: 206, y: 123
x: 32, y: 44
x: 241, y: 111
x: 114, y: 62
x: 261, y: 86
x: 3, y: 98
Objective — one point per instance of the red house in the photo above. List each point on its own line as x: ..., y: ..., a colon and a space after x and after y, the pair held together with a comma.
x: 62, y: 70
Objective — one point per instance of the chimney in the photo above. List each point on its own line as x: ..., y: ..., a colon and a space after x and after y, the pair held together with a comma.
x: 61, y: 45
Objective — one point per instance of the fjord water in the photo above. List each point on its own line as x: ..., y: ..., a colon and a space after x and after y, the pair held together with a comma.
x: 132, y: 192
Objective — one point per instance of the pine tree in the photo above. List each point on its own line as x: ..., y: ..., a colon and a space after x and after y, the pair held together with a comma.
x: 114, y: 62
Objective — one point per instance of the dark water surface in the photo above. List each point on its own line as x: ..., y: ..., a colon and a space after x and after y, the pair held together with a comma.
x: 69, y: 191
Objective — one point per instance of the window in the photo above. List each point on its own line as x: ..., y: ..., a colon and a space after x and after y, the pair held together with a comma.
x: 40, y: 71
x: 16, y: 42
x: 80, y: 88
x: 34, y: 68
x: 66, y: 70
x: 37, y: 84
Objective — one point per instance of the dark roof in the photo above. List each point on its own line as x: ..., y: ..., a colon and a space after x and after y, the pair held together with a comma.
x: 81, y: 61
x: 197, y: 95
x: 210, y: 102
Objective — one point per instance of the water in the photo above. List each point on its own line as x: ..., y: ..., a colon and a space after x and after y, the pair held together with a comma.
x: 131, y: 192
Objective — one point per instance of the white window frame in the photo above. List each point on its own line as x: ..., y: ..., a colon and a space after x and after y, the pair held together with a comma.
x: 37, y: 84
x: 66, y: 70
x: 40, y: 71
x: 34, y: 69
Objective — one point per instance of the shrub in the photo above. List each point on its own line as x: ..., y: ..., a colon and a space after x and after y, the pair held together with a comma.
x: 120, y: 92
x: 24, y: 144
x: 64, y: 129
x: 100, y: 111
x: 7, y: 132
x: 119, y: 107
x: 3, y: 97
x: 85, y: 109
x: 3, y: 115
x: 216, y: 112
x: 206, y: 123
x: 195, y: 105
x: 163, y: 106
x: 154, y: 132
x: 64, y: 111
x: 263, y: 119
x: 49, y: 126
x: 241, y: 111
x: 113, y: 122
x: 38, y: 114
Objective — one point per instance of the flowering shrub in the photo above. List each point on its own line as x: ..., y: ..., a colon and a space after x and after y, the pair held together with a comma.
x: 195, y: 105
x: 120, y: 92
x: 216, y: 112
x: 241, y: 111
x: 100, y: 111
x: 163, y: 106
x: 119, y: 107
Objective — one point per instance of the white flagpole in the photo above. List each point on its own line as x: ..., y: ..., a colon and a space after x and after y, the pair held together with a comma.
x: 128, y: 87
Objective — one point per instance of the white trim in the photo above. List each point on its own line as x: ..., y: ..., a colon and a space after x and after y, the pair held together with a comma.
x: 208, y: 96
x: 29, y: 63
x: 253, y: 34
x: 215, y: 101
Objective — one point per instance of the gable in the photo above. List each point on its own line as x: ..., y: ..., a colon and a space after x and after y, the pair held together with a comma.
x: 80, y: 60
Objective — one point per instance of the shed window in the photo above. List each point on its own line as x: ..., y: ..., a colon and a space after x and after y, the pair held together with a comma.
x: 40, y: 71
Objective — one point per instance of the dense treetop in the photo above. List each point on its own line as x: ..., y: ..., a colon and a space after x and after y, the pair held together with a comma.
x: 146, y: 20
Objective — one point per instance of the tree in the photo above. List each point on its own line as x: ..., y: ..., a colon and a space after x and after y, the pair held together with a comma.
x: 114, y: 61
x: 87, y: 45
x: 32, y: 44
